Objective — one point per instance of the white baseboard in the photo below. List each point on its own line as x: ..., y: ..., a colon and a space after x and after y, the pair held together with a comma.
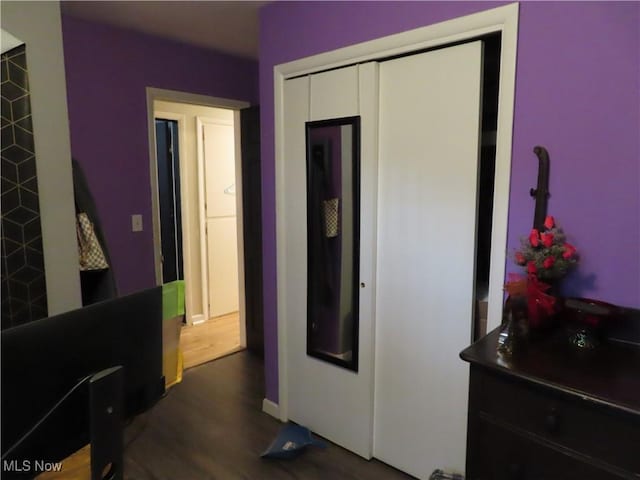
x: 196, y: 319
x: 271, y: 408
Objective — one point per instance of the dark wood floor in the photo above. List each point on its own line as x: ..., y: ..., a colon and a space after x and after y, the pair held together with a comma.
x: 211, y: 426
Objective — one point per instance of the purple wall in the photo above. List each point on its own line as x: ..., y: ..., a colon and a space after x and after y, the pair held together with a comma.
x: 107, y: 72
x: 577, y: 93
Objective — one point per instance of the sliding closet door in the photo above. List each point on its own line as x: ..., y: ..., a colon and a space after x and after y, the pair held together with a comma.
x: 333, y: 401
x: 428, y: 171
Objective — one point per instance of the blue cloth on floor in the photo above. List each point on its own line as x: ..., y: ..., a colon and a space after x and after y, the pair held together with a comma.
x: 290, y: 442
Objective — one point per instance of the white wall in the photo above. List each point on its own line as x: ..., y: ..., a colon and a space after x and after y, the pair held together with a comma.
x: 38, y: 25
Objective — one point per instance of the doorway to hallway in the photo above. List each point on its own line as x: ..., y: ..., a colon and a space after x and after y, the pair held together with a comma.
x: 200, y: 223
x: 244, y: 187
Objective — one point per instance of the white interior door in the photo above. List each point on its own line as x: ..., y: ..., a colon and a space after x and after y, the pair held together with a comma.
x: 332, y: 401
x: 428, y: 175
x: 221, y: 221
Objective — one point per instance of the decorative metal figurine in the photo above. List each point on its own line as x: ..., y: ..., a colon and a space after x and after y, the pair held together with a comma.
x: 541, y: 192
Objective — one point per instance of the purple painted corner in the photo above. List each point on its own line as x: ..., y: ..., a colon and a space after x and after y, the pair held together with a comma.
x: 577, y: 94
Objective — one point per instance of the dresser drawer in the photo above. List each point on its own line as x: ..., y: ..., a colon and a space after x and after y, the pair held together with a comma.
x: 562, y: 419
x: 505, y: 455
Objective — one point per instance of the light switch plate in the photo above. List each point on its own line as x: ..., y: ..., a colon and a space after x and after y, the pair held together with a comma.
x: 136, y: 223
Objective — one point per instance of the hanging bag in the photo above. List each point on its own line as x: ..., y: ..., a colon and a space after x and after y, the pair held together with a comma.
x: 89, y: 249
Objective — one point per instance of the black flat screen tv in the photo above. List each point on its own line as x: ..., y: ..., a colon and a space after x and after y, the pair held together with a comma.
x: 43, y: 360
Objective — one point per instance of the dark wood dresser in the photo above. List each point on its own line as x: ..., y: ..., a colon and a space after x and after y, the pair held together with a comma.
x: 552, y: 412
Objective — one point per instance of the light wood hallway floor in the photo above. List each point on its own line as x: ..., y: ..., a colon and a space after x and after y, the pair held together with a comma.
x: 209, y: 340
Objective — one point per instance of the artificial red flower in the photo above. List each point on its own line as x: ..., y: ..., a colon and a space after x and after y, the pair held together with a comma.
x: 548, y: 262
x: 547, y: 239
x: 549, y: 222
x: 569, y: 251
x: 531, y: 267
x: 520, y: 260
x: 534, y: 238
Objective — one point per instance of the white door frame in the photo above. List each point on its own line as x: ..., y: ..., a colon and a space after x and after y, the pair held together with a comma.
x: 152, y: 95
x: 502, y: 19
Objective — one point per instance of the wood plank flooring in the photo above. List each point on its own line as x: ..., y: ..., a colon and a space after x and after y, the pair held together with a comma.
x: 211, y: 427
x: 75, y: 467
x: 209, y: 340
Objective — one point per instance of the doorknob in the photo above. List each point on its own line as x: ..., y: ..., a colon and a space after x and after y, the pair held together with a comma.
x: 362, y: 285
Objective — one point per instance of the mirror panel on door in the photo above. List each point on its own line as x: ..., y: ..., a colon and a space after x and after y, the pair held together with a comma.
x: 333, y: 237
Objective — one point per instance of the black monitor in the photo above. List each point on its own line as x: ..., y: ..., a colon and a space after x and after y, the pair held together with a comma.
x: 43, y: 360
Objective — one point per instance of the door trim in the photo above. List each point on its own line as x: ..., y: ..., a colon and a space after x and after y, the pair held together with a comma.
x: 202, y: 218
x: 502, y: 19
x: 242, y: 313
x: 153, y: 94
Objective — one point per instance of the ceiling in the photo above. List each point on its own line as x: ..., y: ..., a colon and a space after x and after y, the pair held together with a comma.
x: 226, y: 26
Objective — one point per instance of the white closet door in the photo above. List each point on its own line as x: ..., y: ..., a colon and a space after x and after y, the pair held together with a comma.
x: 334, y: 402
x: 222, y: 244
x: 220, y: 211
x: 428, y: 175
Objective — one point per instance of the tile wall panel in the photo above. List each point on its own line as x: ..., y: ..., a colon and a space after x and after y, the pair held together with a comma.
x: 24, y: 293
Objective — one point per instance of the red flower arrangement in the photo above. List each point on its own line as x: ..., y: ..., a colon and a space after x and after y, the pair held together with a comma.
x: 546, y: 254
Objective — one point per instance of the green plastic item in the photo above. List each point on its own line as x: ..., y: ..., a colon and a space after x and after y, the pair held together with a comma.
x: 172, y: 299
